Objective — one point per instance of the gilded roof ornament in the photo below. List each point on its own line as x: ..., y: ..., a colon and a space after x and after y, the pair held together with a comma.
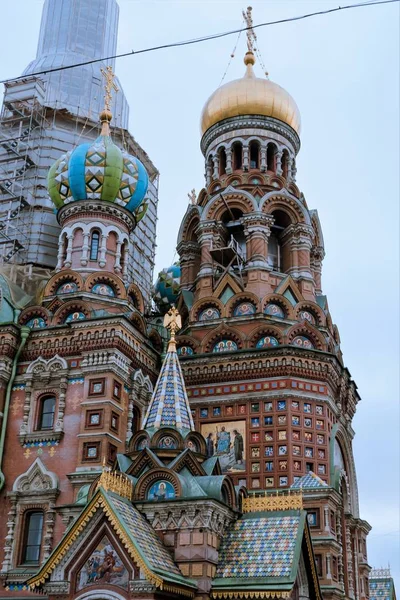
x: 109, y: 86
x: 173, y: 322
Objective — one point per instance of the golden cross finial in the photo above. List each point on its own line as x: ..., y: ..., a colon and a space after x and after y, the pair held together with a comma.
x: 192, y: 196
x: 251, y: 36
x: 109, y: 85
x: 173, y: 322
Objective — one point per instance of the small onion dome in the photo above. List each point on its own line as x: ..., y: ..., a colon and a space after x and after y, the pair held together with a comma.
x: 250, y: 95
x: 166, y: 289
x: 98, y: 171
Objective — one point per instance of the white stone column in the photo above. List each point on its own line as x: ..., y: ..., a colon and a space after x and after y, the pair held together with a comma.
x: 263, y: 159
x: 60, y: 254
x: 279, y: 170
x: 68, y: 259
x: 228, y: 169
x: 103, y: 249
x: 216, y: 167
x: 245, y: 158
x: 85, y: 249
x: 117, y: 265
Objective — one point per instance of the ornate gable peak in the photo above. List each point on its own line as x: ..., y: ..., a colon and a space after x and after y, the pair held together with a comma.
x: 36, y: 479
x: 40, y: 365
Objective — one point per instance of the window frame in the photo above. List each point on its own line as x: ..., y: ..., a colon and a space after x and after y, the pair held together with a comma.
x: 94, y: 411
x: 85, y: 455
x: 39, y: 422
x: 91, y: 253
x: 24, y: 538
x: 92, y: 383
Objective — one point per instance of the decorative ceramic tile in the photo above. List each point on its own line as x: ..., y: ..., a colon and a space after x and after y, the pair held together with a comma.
x: 259, y: 547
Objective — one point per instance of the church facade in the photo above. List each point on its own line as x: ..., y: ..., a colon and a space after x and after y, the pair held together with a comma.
x: 204, y: 449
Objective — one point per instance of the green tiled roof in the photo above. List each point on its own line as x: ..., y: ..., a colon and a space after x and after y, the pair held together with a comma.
x: 261, y: 551
x: 381, y: 588
x: 311, y: 480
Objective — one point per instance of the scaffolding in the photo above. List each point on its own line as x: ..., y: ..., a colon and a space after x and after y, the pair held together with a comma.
x: 21, y: 117
x: 227, y: 259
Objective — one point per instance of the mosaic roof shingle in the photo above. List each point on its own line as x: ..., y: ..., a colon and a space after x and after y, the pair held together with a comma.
x: 260, y: 547
x: 381, y: 589
x: 311, y: 480
x: 145, y: 537
x: 169, y: 406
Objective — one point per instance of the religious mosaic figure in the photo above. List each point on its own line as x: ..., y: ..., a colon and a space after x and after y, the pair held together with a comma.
x: 103, y: 566
x: 210, y: 445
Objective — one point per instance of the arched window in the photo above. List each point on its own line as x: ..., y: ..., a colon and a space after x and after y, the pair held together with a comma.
x: 278, y: 256
x: 254, y: 155
x: 94, y: 245
x: 285, y: 164
x: 222, y: 161
x: 237, y: 152
x: 46, y: 412
x: 32, y: 538
x: 271, y: 158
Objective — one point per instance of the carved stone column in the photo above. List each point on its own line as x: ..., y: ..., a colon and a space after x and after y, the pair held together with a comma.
x: 340, y: 557
x: 349, y: 555
x: 328, y: 566
x: 60, y: 254
x: 85, y: 249
x: 103, y: 250
x: 316, y: 257
x: 263, y: 159
x: 206, y: 234
x: 257, y: 229
x: 245, y: 158
x: 27, y: 406
x: 189, y: 254
x: 208, y: 173
x: 279, y: 170
x: 117, y: 264
x: 59, y: 425
x: 228, y: 169
x: 68, y: 259
x: 216, y: 167
x: 326, y: 519
x: 8, y: 542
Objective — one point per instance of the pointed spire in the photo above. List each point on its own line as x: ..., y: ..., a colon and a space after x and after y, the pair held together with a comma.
x: 169, y: 405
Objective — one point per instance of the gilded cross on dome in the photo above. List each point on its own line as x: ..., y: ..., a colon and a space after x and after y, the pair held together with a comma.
x: 251, y: 36
x: 173, y: 322
x: 110, y: 85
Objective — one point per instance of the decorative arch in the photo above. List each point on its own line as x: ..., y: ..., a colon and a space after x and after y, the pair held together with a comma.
x: 294, y: 190
x: 109, y: 278
x: 316, y: 224
x: 59, y: 278
x: 202, y: 304
x: 308, y: 331
x: 264, y: 330
x: 236, y: 199
x: 136, y: 296
x: 41, y: 365
x: 167, y: 432
x: 36, y: 478
x: 156, y: 340
x: 99, y: 594
x: 283, y: 302
x: 223, y: 331
x: 238, y: 299
x: 68, y: 307
x: 139, y: 322
x: 287, y: 203
x: 187, y: 340
x: 314, y: 309
x: 228, y: 492
x: 139, y: 441
x: 198, y: 440
x: 338, y: 434
x: 190, y: 221
x: 34, y: 311
x: 150, y: 477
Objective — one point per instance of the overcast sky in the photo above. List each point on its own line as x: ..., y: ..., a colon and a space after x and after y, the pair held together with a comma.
x: 343, y: 71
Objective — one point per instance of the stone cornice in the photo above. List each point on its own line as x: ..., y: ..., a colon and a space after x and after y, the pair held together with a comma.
x: 89, y: 208
x: 235, y: 124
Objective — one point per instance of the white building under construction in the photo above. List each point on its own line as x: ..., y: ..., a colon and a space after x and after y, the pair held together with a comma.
x: 44, y: 115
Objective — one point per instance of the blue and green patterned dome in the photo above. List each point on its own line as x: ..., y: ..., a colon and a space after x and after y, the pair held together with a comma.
x: 99, y: 171
x: 167, y: 287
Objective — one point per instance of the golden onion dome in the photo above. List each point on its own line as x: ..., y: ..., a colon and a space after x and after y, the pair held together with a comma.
x: 250, y: 95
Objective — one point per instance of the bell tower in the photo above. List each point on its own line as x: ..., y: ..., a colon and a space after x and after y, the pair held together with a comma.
x: 259, y: 350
